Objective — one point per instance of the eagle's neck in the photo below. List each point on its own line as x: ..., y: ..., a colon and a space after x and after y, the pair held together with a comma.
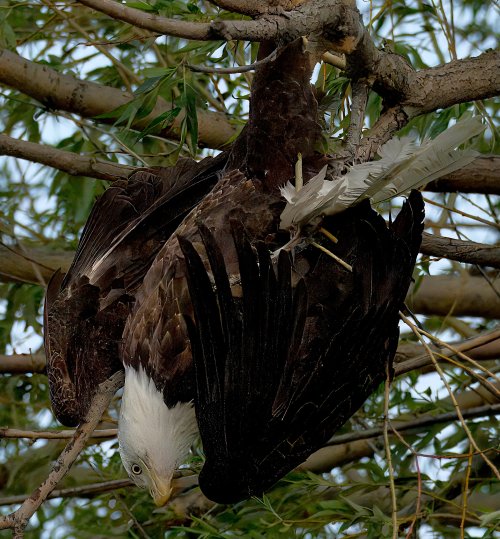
x: 145, y: 419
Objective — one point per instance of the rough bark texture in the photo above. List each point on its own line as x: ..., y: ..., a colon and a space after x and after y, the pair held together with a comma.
x: 463, y: 251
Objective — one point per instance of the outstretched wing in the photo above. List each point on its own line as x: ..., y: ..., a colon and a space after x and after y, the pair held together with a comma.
x: 86, y: 309
x: 277, y: 374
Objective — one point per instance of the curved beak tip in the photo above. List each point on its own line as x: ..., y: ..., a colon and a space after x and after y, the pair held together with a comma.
x: 161, y: 499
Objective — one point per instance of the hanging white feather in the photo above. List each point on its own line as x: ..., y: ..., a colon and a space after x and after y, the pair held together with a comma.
x: 403, y: 165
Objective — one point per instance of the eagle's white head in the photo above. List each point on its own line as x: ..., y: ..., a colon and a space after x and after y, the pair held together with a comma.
x: 154, y: 440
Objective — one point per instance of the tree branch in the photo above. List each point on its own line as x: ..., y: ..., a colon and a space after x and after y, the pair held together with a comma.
x: 409, y: 357
x: 329, y: 457
x: 27, y: 265
x: 483, y: 347
x: 416, y: 424
x: 72, y: 163
x: 85, y: 491
x: 456, y: 82
x: 312, y: 17
x: 468, y: 252
x: 245, y: 7
x: 89, y: 99
x: 18, y: 520
x: 446, y: 295
x: 52, y: 434
x: 22, y: 363
x: 480, y: 176
x: 408, y: 93
x: 438, y: 295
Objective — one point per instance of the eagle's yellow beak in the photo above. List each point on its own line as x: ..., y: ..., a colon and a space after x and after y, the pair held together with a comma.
x: 161, y: 490
x: 161, y: 499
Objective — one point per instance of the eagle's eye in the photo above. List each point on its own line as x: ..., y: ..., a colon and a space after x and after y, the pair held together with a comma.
x: 136, y: 469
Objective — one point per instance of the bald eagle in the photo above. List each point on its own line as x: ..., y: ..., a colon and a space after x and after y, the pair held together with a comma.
x: 225, y: 328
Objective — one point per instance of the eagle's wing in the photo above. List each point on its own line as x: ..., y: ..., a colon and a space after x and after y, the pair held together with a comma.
x: 273, y: 383
x: 85, y: 310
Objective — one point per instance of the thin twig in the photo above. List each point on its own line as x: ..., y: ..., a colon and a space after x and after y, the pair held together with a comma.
x: 462, y: 213
x: 236, y: 69
x: 387, y: 445
x: 471, y: 344
x: 419, y: 423
x: 417, y: 333
x: 419, y: 482
x: 464, y: 494
x: 460, y: 354
x: 83, y: 491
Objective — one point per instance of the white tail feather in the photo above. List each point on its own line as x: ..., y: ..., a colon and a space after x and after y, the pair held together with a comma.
x: 403, y: 166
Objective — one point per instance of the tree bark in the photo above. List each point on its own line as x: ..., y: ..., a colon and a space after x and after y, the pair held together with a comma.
x: 481, y: 176
x: 446, y: 295
x: 72, y: 163
x: 468, y: 252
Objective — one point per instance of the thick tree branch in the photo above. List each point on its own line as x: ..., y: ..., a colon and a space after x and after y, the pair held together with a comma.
x: 22, y: 363
x: 72, y: 163
x: 313, y: 17
x: 456, y: 82
x: 245, y: 7
x: 456, y: 296
x: 28, y: 265
x: 18, y: 520
x: 89, y: 99
x: 468, y: 252
x: 409, y: 356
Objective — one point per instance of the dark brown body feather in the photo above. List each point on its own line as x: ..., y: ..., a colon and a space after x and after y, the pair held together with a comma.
x: 85, y: 310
